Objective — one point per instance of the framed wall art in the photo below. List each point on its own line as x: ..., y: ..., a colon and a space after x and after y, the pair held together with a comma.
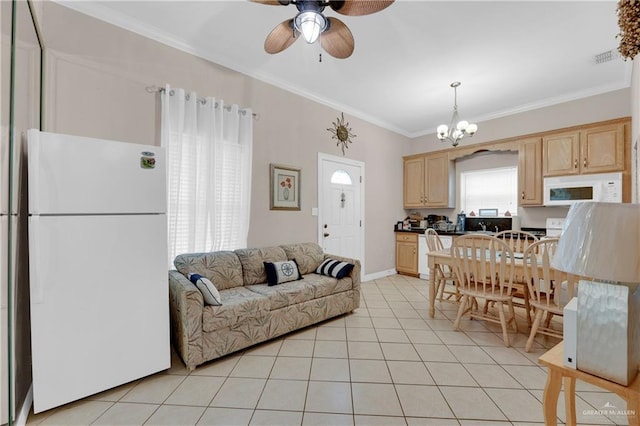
x: 285, y: 187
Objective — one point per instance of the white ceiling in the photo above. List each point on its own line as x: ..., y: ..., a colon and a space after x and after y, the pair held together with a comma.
x: 511, y: 56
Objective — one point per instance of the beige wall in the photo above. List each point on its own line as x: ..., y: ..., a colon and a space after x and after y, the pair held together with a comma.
x: 96, y: 76
x: 602, y: 107
x: 587, y: 110
x: 95, y: 86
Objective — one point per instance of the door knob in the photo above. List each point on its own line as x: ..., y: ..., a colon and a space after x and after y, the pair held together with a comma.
x: 326, y: 234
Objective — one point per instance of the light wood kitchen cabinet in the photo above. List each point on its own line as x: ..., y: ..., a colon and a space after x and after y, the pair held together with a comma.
x: 407, y: 253
x: 597, y: 149
x: 560, y: 154
x: 602, y: 149
x: 530, y: 172
x: 428, y: 181
x: 413, y: 182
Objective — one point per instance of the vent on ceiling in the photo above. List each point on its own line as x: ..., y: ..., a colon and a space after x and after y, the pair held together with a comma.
x: 607, y: 56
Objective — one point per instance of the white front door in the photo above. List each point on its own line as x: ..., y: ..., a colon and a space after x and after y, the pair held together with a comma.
x: 341, y: 227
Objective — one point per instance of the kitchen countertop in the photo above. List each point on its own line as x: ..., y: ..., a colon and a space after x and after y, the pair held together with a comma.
x: 537, y: 232
x: 421, y: 231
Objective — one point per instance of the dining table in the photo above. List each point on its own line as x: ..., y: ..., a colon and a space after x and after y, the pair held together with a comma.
x: 444, y: 257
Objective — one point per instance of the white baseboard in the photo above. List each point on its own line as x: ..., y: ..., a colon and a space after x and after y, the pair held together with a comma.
x: 26, y: 408
x: 377, y: 275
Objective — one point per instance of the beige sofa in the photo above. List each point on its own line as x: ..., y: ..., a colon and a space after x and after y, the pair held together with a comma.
x: 251, y: 311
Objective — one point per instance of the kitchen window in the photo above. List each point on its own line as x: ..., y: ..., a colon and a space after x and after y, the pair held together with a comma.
x: 489, y: 189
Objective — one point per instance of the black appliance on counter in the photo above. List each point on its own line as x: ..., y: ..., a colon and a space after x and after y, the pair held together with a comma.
x: 433, y: 218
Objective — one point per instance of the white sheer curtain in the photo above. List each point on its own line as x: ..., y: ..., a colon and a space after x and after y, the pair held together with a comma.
x: 209, y: 149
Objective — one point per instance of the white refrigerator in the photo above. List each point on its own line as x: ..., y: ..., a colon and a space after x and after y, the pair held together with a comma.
x: 97, y: 265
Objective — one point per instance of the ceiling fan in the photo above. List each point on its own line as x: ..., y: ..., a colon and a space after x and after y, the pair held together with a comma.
x: 335, y: 37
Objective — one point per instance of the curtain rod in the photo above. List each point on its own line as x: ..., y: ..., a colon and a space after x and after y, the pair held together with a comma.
x: 155, y: 89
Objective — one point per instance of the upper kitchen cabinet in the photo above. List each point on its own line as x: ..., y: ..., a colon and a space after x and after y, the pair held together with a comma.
x: 602, y: 149
x: 530, y: 172
x: 597, y: 149
x: 428, y: 181
x: 413, y: 182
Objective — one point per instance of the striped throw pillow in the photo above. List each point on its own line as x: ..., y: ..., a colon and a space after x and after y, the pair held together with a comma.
x: 335, y: 268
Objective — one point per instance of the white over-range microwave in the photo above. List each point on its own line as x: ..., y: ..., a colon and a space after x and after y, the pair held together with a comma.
x: 567, y: 190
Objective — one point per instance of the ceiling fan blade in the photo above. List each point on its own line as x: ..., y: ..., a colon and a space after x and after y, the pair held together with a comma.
x: 273, y: 2
x: 359, y: 7
x: 281, y: 37
x: 337, y: 41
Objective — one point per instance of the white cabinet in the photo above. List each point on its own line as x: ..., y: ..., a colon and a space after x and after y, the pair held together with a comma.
x: 423, y: 251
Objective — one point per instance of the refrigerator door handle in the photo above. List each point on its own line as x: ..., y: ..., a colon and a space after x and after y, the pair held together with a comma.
x: 34, y: 262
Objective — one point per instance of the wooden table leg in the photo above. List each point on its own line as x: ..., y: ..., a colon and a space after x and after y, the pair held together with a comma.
x: 633, y: 404
x: 550, y: 397
x: 432, y: 292
x: 570, y: 400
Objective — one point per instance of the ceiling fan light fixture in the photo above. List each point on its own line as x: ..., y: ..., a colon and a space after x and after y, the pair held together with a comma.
x: 457, y: 129
x: 310, y: 24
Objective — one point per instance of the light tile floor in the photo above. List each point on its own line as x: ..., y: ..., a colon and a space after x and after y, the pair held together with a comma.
x: 387, y: 363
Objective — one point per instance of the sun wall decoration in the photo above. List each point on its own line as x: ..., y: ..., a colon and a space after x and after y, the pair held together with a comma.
x: 342, y: 132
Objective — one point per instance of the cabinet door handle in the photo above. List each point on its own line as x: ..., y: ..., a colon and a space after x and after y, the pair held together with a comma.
x: 523, y: 195
x: 575, y: 163
x: 584, y: 163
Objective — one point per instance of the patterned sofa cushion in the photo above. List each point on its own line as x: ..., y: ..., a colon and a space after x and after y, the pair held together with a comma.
x: 238, y: 304
x: 223, y: 268
x: 324, y: 285
x: 308, y: 256
x: 285, y: 294
x: 252, y: 260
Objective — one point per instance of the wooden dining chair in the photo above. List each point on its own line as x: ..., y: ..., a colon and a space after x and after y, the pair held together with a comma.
x: 545, y: 286
x: 444, y: 273
x: 484, y: 267
x: 519, y: 241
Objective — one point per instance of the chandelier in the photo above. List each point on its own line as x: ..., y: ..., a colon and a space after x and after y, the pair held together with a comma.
x: 457, y: 129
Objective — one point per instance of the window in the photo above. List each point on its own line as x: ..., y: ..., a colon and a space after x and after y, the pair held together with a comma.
x: 209, y: 150
x: 489, y: 188
x: 341, y: 177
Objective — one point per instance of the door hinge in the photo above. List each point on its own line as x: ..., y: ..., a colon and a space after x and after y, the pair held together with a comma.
x: 360, y: 179
x: 360, y: 223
